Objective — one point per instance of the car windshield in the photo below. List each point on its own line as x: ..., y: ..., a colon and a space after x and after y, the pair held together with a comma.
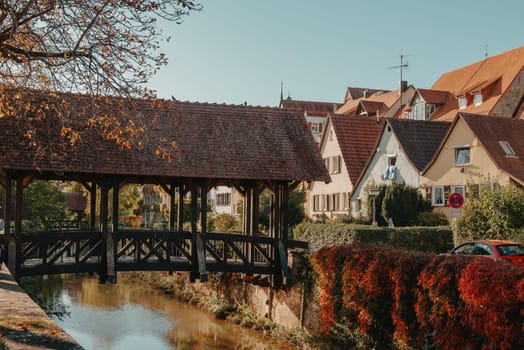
x: 510, y: 249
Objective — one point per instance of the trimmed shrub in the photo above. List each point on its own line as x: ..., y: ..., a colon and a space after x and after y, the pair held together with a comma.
x: 429, y: 218
x: 428, y: 239
x: 376, y: 297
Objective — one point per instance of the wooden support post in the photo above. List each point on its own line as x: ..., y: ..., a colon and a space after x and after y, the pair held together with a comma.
x: 201, y: 237
x: 194, y: 218
x: 110, y: 243
x: 172, y: 207
x: 180, y: 213
x: 11, y: 242
x: 284, y: 211
x: 92, y: 205
x: 13, y: 245
x: 104, y: 203
x: 247, y: 215
x: 172, y: 222
x: 276, y: 280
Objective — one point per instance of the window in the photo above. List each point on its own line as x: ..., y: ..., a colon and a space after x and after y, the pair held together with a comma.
x: 458, y: 189
x: 336, y: 202
x: 335, y: 164
x: 477, y: 99
x: 391, y: 170
x: 463, y: 102
x: 345, y: 200
x: 392, y: 160
x: 316, y: 202
x: 327, y: 163
x: 418, y: 108
x: 314, y: 127
x: 223, y: 199
x: 438, y: 196
x: 461, y: 155
x: 431, y: 108
x: 508, y: 150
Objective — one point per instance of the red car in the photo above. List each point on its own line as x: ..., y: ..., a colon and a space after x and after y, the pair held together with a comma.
x: 497, y: 250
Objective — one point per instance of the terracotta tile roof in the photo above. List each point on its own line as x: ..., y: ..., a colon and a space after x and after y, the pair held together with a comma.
x: 356, y: 137
x: 501, y: 70
x: 419, y: 139
x: 434, y: 96
x: 370, y: 107
x: 212, y: 140
x: 490, y: 130
x: 355, y: 93
x: 312, y: 108
x: 388, y: 98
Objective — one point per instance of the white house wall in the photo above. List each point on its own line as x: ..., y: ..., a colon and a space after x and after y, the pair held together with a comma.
x: 406, y: 172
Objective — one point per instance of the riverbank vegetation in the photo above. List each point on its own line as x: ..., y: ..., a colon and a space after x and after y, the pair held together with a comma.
x: 210, y: 297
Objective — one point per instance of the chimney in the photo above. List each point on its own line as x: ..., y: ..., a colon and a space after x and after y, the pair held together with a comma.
x: 365, y: 93
x: 402, y: 86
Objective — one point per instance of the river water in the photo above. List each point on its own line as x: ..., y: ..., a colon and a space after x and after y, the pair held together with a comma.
x: 122, y: 316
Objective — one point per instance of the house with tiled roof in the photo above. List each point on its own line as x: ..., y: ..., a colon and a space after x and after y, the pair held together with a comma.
x: 355, y: 93
x: 403, y: 149
x: 345, y: 146
x: 477, y: 149
x: 427, y: 104
x: 492, y: 86
x: 385, y: 104
x: 315, y: 112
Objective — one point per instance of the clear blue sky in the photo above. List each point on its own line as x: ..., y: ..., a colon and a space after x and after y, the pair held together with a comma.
x: 236, y: 51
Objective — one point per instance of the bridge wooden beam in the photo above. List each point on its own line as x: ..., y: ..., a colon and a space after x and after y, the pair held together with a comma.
x: 203, y: 228
x: 194, y: 218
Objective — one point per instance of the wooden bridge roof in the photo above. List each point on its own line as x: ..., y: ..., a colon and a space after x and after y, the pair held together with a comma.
x: 211, y: 140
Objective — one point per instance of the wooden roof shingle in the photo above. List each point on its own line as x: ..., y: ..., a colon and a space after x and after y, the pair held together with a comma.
x: 357, y: 137
x: 420, y: 139
x: 490, y: 130
x: 211, y: 140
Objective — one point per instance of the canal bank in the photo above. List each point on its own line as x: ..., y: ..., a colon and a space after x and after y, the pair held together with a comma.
x: 23, y: 324
x: 290, y: 315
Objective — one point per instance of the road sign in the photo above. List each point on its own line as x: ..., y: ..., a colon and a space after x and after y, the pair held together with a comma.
x: 456, y: 200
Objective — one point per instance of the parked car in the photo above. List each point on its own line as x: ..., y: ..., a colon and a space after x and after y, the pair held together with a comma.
x: 498, y: 250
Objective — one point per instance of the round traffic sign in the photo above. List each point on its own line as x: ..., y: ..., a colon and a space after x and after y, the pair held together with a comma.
x: 456, y: 200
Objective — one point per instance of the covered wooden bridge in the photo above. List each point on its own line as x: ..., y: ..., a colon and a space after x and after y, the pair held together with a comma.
x: 186, y: 148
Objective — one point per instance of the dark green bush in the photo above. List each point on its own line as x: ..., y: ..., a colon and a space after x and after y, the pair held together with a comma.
x: 432, y: 219
x: 427, y: 239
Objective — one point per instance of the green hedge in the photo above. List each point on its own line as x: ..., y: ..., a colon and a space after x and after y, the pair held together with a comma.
x: 426, y: 239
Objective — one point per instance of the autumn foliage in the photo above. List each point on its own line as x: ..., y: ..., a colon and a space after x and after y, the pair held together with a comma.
x: 420, y: 300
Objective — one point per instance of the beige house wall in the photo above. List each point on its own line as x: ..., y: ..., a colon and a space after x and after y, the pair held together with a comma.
x: 340, y: 182
x: 444, y: 172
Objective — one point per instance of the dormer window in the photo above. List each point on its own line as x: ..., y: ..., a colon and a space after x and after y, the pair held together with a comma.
x: 463, y: 102
x: 418, y: 109
x: 477, y: 99
x: 421, y: 109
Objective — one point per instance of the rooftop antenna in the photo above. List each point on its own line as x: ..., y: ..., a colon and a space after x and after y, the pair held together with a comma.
x: 403, y: 65
x: 486, y: 51
x: 281, y: 90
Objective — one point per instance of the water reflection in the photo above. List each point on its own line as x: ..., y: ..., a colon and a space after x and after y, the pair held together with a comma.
x: 126, y: 317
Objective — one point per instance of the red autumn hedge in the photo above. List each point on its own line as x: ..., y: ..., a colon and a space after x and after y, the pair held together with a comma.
x: 392, y: 295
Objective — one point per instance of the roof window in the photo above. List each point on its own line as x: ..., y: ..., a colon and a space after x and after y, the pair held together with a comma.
x: 477, y: 99
x: 507, y: 149
x: 463, y: 102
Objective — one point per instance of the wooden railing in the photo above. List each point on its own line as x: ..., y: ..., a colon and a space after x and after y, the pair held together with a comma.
x: 138, y: 250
